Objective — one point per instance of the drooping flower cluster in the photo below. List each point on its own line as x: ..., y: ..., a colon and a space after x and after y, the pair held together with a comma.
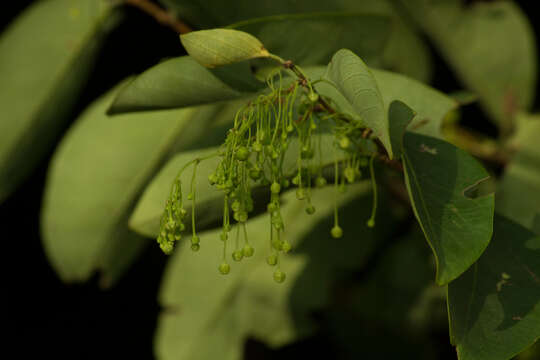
x: 255, y: 153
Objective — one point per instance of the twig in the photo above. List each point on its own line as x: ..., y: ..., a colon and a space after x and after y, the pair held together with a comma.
x: 382, y: 154
x: 161, y: 15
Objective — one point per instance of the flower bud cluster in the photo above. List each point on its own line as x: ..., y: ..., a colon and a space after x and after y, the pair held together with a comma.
x: 253, y: 154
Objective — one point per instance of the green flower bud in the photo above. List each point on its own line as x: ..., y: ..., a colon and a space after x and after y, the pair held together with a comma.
x: 272, y: 259
x: 271, y: 207
x: 166, y: 247
x: 223, y: 236
x: 344, y: 143
x: 237, y: 255
x: 242, y: 153
x: 313, y: 97
x: 310, y: 210
x: 370, y: 223
x: 248, y: 250
x: 241, y: 216
x: 170, y: 225
x: 349, y: 174
x: 224, y: 268
x: 235, y: 206
x: 286, y: 246
x: 279, y: 276
x: 320, y: 181
x: 195, y: 247
x: 257, y: 147
x: 212, y: 178
x: 195, y: 239
x: 275, y: 188
x: 278, y: 224
x: 300, y: 194
x: 290, y: 128
x: 336, y: 232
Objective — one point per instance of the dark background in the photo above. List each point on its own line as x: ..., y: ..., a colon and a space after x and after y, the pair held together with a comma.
x: 73, y: 321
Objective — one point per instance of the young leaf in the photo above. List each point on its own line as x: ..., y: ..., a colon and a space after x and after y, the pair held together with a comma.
x: 430, y: 105
x: 439, y: 180
x: 469, y: 36
x: 47, y: 56
x: 518, y: 193
x: 218, y: 47
x: 494, y: 307
x: 357, y: 84
x: 95, y: 177
x: 174, y: 83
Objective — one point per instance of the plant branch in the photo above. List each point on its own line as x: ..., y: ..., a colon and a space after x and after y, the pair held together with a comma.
x: 162, y: 16
x: 304, y: 81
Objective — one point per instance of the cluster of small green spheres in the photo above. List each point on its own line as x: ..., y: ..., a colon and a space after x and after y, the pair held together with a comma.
x: 253, y: 155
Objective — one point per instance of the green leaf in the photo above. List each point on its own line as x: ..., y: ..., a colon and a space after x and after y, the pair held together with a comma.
x: 439, y: 179
x: 174, y: 83
x: 208, y: 315
x: 183, y: 82
x: 356, y: 82
x: 144, y: 94
x: 402, y: 40
x: 494, y: 307
x: 47, y: 57
x: 430, y: 105
x: 518, y: 193
x: 310, y: 39
x: 491, y: 47
x: 218, y: 47
x: 399, y: 117
x: 97, y: 174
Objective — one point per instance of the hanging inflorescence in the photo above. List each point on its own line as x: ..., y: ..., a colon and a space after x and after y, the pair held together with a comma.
x: 254, y: 153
